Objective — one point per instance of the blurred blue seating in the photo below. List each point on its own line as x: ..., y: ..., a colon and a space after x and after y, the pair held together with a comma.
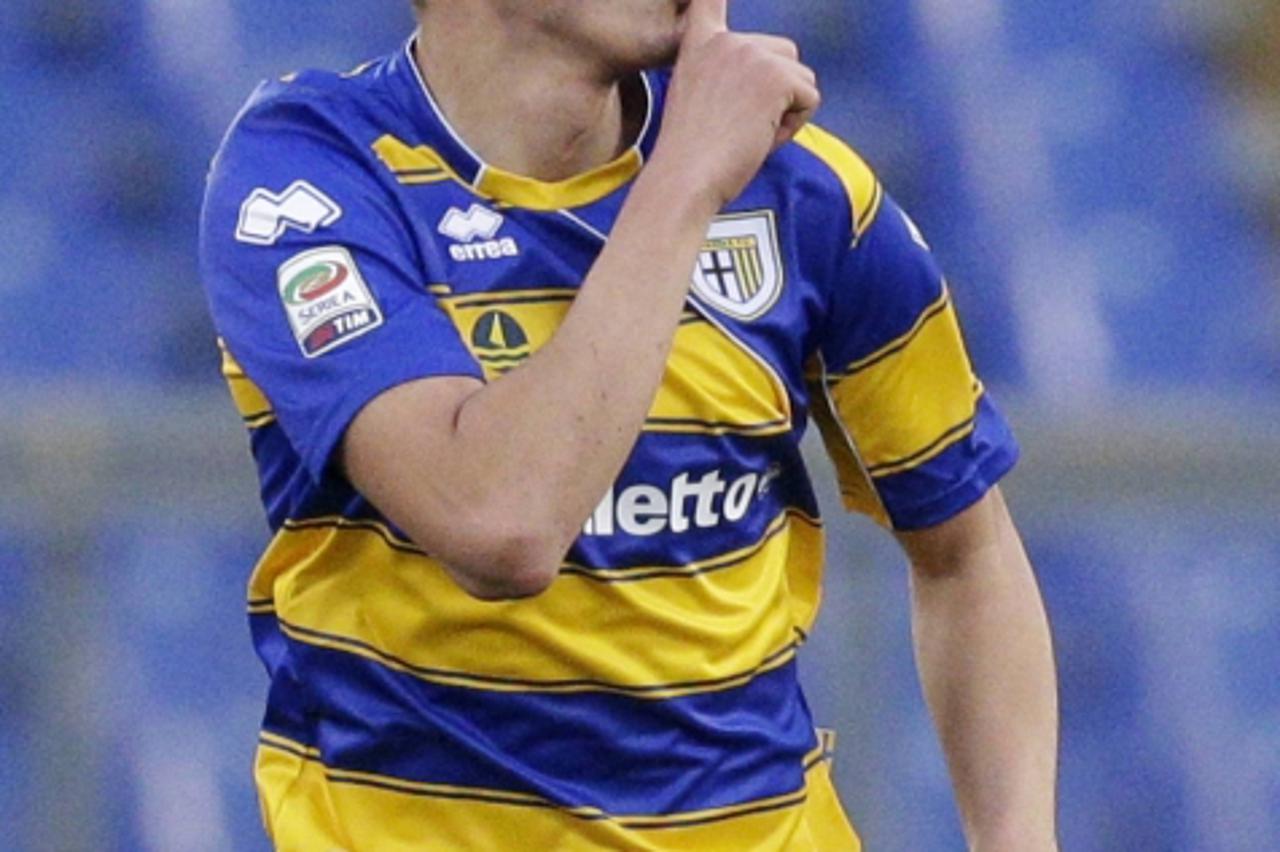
x: 1183, y: 273
x: 18, y: 569
x: 193, y: 692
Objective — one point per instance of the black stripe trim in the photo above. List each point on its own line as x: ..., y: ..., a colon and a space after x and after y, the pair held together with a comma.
x: 942, y: 439
x: 922, y: 322
x: 797, y: 799
x: 494, y: 359
x: 717, y: 424
x: 497, y: 300
x: 367, y: 526
x: 428, y: 172
x: 494, y: 798
x: 584, y: 684
x: 286, y: 748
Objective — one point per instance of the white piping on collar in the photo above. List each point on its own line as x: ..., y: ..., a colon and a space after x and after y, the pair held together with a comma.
x: 435, y: 107
x: 648, y: 116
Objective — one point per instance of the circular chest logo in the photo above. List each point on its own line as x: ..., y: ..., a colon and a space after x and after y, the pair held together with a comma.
x: 315, y: 282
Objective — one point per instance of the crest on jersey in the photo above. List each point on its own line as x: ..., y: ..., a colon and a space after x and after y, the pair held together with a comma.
x: 500, y: 342
x: 739, y: 270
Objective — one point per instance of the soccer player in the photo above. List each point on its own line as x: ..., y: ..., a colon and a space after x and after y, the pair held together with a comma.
x: 527, y: 330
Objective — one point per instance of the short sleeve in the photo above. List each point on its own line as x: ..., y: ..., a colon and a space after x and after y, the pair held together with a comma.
x: 313, y: 277
x: 913, y: 433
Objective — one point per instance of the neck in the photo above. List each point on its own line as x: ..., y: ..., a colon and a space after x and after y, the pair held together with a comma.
x: 522, y: 102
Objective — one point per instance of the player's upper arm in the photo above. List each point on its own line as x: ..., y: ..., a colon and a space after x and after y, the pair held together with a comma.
x: 315, y: 283
x: 910, y: 427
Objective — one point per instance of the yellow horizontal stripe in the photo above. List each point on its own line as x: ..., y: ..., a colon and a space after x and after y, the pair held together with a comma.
x: 250, y: 401
x: 860, y: 184
x: 901, y: 407
x: 309, y: 806
x: 672, y: 633
x: 714, y: 385
x: 468, y: 681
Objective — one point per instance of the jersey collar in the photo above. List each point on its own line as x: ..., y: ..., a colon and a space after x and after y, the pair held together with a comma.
x: 518, y: 190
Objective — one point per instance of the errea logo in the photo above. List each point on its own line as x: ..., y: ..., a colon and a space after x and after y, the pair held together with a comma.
x: 266, y: 216
x: 475, y: 234
x: 685, y: 504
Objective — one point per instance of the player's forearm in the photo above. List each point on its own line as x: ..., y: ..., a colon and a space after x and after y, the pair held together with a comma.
x: 986, y: 662
x: 582, y: 399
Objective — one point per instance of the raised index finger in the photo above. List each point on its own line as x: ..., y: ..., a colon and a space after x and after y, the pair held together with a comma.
x: 703, y: 20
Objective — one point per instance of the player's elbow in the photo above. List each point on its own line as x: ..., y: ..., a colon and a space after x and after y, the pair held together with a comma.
x: 507, y: 562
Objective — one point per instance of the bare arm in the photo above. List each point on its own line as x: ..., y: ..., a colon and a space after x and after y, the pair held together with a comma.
x: 986, y: 662
x: 496, y: 480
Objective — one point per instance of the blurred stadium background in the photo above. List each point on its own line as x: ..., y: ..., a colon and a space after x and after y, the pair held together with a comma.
x: 1102, y: 180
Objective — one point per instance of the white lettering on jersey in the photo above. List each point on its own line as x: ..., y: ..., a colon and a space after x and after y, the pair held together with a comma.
x: 475, y: 235
x: 688, y: 504
x: 326, y: 299
x: 265, y: 216
x: 488, y: 250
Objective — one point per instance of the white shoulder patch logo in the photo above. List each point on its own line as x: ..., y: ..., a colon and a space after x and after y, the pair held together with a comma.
x: 478, y: 223
x: 326, y: 299
x: 266, y: 216
x: 739, y: 270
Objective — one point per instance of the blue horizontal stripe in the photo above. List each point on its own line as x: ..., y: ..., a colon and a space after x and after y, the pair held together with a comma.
x: 955, y: 479
x: 291, y: 495
x: 659, y: 458
x: 620, y: 754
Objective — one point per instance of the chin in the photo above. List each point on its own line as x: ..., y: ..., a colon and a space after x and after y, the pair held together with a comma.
x: 658, y: 51
x: 624, y: 38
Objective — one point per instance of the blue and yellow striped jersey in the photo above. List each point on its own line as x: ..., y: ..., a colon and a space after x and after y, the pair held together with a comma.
x: 649, y: 699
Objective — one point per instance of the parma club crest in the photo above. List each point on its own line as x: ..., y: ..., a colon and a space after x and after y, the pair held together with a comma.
x: 739, y: 270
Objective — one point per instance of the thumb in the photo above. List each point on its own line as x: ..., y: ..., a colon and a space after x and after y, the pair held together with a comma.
x: 703, y: 20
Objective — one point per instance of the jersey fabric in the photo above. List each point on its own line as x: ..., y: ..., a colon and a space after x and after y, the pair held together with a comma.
x: 649, y: 698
